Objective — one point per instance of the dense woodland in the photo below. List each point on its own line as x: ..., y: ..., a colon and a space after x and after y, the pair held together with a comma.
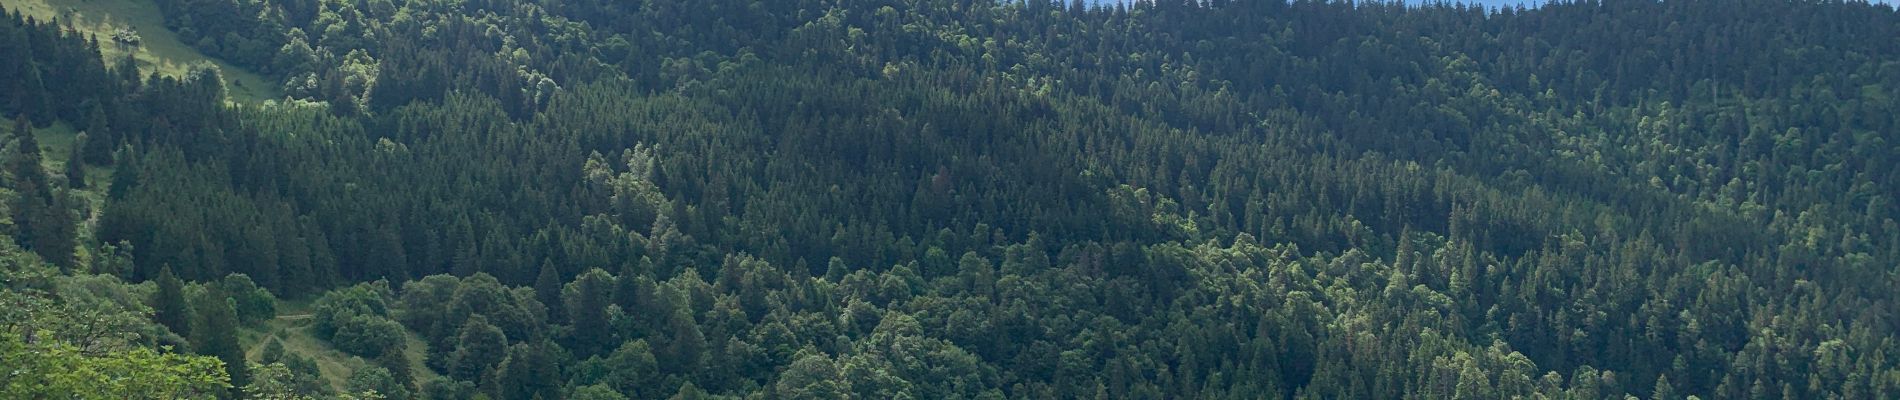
x: 962, y: 199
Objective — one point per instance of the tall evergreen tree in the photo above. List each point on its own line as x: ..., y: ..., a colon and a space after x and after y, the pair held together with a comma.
x: 587, y: 299
x: 530, y: 373
x: 168, y: 303
x: 547, y: 289
x: 40, y: 222
x: 99, y: 144
x: 627, y: 288
x: 686, y: 344
x: 215, y: 333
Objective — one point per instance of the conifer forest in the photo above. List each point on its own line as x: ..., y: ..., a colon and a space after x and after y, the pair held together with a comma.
x: 949, y: 199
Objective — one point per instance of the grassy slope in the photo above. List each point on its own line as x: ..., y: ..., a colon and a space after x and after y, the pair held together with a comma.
x: 293, y: 327
x: 164, y: 53
x: 161, y: 51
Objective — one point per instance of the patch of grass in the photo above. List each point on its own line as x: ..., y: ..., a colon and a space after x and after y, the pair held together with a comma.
x: 300, y: 338
x: 293, y: 326
x: 159, y: 50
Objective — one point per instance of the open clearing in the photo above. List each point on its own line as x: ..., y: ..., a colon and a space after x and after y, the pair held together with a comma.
x: 160, y: 49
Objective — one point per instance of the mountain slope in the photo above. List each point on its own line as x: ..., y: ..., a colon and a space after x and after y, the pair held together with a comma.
x: 158, y: 49
x: 966, y: 199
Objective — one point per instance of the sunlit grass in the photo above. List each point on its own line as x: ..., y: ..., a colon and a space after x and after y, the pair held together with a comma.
x: 293, y: 327
x: 159, y: 49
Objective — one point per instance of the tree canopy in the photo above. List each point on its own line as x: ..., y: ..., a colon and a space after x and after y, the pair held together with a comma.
x: 975, y: 199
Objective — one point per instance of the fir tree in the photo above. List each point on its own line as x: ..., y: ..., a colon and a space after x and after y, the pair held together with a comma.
x: 547, y: 289
x: 168, y: 303
x: 215, y: 333
x: 40, y: 222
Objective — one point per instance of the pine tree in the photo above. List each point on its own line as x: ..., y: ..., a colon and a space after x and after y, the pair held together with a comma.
x: 76, y: 164
x: 32, y: 102
x: 547, y: 289
x: 125, y: 175
x: 97, y: 148
x: 836, y: 269
x: 530, y: 373
x: 214, y: 333
x: 59, y: 232
x: 627, y: 288
x: 40, y: 222
x: 1663, y: 390
x: 685, y: 343
x: 168, y: 304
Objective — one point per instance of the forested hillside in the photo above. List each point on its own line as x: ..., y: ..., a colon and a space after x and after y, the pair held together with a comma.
x: 962, y: 199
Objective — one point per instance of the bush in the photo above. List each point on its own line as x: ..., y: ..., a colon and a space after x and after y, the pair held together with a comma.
x: 254, y: 304
x: 337, y: 306
x: 368, y: 336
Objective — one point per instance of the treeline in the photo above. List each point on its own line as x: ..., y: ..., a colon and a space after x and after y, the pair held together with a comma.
x: 957, y: 199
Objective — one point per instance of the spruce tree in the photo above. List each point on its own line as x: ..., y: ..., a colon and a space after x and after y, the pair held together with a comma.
x: 40, y: 217
x: 33, y: 195
x: 627, y: 288
x: 214, y: 333
x: 530, y: 373
x: 125, y: 175
x: 1663, y: 390
x: 685, y: 343
x: 168, y: 304
x: 547, y: 289
x: 58, y: 235
x: 97, y: 148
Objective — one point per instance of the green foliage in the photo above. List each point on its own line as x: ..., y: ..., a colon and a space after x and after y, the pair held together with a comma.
x: 168, y: 303
x: 812, y: 377
x: 88, y: 337
x: 942, y: 199
x: 97, y: 314
x: 596, y: 392
x: 631, y: 370
x: 279, y: 371
x: 335, y: 308
x: 374, y: 379
x: 40, y: 368
x: 368, y: 336
x: 587, y: 299
x: 42, y: 220
x: 547, y: 289
x: 530, y: 371
x: 478, y: 349
x: 275, y: 381
x: 254, y: 304
x: 214, y: 330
